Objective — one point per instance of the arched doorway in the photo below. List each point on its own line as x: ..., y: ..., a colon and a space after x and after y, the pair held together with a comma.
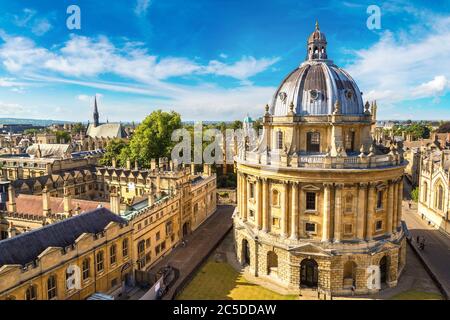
x: 383, y: 269
x: 349, y: 274
x: 185, y: 229
x: 309, y: 273
x: 245, y: 253
x: 272, y: 263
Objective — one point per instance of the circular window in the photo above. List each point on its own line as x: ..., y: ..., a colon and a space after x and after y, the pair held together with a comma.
x: 314, y: 94
x: 348, y: 94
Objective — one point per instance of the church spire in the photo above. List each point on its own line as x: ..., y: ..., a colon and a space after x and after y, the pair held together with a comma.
x: 96, y: 115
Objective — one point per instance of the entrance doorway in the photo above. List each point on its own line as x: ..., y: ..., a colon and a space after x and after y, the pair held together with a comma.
x: 309, y: 273
x: 245, y: 253
x: 383, y: 270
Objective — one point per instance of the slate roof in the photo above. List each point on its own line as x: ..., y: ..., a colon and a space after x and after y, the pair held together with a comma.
x: 50, y: 150
x: 26, y: 247
x: 107, y: 130
x: 32, y: 204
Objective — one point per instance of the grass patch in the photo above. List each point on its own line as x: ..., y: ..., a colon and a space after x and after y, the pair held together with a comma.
x: 416, y: 295
x: 219, y: 281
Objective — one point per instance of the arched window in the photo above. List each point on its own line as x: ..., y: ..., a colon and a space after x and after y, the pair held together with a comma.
x: 440, y: 197
x: 125, y: 248
x: 112, y: 254
x: 51, y: 287
x: 86, y: 269
x: 279, y: 140
x: 425, y: 192
x: 31, y: 293
x: 275, y: 198
x: 100, y: 261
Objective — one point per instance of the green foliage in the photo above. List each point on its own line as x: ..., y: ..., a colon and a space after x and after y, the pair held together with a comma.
x: 415, y: 194
x: 416, y: 130
x: 30, y: 131
x: 63, y: 137
x: 228, y: 181
x: 152, y: 138
x: 236, y: 125
x: 114, y: 149
x: 78, y: 128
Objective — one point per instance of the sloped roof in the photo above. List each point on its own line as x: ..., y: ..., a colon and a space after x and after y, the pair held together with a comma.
x: 50, y: 150
x: 107, y: 130
x: 26, y: 247
x: 32, y: 204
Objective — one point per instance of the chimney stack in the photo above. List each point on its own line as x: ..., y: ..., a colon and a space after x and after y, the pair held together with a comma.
x: 46, y: 208
x: 114, y: 200
x: 67, y: 200
x: 114, y: 163
x: 136, y: 167
x: 11, y: 205
x: 128, y: 164
x: 153, y: 164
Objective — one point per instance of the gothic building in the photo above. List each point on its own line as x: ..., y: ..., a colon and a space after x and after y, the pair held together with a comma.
x: 319, y: 201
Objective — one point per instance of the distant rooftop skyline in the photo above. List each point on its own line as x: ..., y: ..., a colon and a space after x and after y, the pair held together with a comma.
x: 214, y: 60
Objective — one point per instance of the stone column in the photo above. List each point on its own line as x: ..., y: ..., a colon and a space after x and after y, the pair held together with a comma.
x: 284, y: 210
x: 390, y: 208
x: 399, y: 204
x: 265, y: 205
x: 326, y: 212
x: 245, y: 197
x: 258, y: 205
x: 370, y: 212
x: 361, y: 214
x: 295, y: 211
x: 338, y: 212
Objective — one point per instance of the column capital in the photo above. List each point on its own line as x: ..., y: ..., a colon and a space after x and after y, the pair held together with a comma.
x: 339, y: 185
x: 327, y: 185
x: 363, y: 184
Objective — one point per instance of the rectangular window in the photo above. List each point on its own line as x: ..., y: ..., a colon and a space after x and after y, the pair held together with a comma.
x: 379, y: 225
x: 313, y: 142
x: 310, y: 201
x: 276, y: 222
x: 158, y: 236
x: 125, y: 248
x: 112, y: 254
x: 310, y: 227
x: 380, y: 199
x: 100, y: 264
x: 348, y: 228
x: 147, y: 242
x: 252, y: 190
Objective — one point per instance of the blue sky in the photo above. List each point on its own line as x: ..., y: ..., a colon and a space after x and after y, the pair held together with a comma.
x: 214, y: 60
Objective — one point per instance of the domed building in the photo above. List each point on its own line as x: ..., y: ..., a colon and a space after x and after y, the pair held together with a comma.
x: 319, y: 201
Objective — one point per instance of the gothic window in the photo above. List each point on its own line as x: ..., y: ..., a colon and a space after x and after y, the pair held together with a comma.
x: 51, y: 287
x: 440, y: 198
x: 31, y: 293
x: 279, y: 140
x: 86, y: 272
x: 275, y: 198
x: 100, y: 261
x: 310, y: 201
x: 425, y: 192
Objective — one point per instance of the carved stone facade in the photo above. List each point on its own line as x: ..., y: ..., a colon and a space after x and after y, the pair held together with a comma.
x: 319, y: 201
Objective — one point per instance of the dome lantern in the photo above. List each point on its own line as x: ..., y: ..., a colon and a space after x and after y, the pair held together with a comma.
x: 317, y: 45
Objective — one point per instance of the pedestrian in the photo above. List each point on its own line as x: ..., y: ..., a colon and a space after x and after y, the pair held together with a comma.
x: 409, y: 204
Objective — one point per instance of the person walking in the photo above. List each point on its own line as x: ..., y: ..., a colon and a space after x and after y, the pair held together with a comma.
x: 409, y: 204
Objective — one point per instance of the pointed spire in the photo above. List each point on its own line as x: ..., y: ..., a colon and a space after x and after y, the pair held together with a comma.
x: 96, y: 115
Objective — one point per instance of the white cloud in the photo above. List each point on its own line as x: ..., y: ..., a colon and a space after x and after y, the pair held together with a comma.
x: 435, y: 87
x: 141, y: 7
x: 84, y: 97
x: 41, y: 27
x: 399, y: 68
x: 11, y: 109
x: 242, y: 69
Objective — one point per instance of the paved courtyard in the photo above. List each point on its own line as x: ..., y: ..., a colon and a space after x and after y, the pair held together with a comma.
x: 221, y: 278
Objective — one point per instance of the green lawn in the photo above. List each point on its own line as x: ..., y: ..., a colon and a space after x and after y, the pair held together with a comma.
x: 219, y: 281
x: 417, y: 295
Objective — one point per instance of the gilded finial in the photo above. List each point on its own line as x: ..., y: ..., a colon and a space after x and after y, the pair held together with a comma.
x: 317, y: 25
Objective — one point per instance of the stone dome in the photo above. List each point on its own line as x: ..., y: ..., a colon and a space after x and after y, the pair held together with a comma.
x: 316, y: 85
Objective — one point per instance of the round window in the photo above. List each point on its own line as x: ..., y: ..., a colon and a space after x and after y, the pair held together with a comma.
x: 314, y: 94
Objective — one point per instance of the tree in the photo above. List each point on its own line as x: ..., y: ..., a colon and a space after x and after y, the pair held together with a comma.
x: 63, y: 137
x: 114, y: 149
x: 444, y: 127
x: 78, y: 128
x: 237, y: 124
x: 415, y: 194
x: 152, y: 138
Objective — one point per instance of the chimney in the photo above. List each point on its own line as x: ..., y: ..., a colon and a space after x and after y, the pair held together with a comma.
x: 114, y: 201
x: 158, y: 185
x: 46, y: 209
x: 192, y: 168
x: 151, y: 199
x: 153, y: 164
x: 114, y: 162
x: 67, y: 200
x: 171, y: 165
x: 136, y: 167
x: 11, y: 205
x: 206, y: 169
x: 128, y: 164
